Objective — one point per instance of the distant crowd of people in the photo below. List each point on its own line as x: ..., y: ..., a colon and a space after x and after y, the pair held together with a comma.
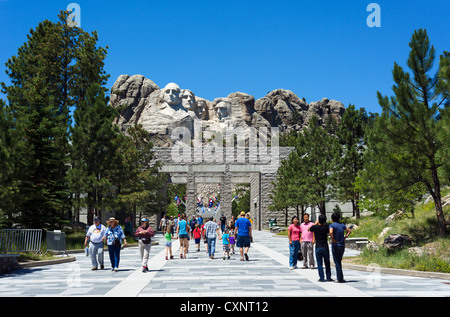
x: 235, y: 233
x: 308, y: 241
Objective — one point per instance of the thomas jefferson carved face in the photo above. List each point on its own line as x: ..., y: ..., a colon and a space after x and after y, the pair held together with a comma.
x: 188, y: 100
x: 171, y: 94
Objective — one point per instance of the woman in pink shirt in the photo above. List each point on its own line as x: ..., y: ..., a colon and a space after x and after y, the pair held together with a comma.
x: 307, y: 242
x: 294, y: 242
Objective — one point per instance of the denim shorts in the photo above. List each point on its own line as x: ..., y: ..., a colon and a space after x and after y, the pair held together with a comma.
x: 169, y: 244
x: 183, y: 236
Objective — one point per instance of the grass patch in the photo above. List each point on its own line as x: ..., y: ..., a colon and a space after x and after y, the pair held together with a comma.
x: 424, y: 231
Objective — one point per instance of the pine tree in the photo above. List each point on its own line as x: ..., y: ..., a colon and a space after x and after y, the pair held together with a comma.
x: 405, y: 139
x: 49, y: 76
x: 39, y: 107
x: 350, y: 157
x: 94, y: 140
x: 137, y: 177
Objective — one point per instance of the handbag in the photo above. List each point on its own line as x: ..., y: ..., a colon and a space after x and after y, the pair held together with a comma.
x: 146, y: 240
x: 116, y: 241
x: 300, y: 255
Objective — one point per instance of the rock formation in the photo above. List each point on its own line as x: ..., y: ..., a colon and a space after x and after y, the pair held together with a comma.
x: 160, y: 111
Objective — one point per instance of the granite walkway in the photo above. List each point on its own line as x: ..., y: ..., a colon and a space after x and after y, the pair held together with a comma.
x: 266, y: 274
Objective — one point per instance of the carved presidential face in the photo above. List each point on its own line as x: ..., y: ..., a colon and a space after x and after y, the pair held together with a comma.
x: 171, y: 94
x: 188, y: 100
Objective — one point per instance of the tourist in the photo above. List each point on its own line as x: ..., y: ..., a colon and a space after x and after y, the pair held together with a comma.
x: 114, y: 236
x: 244, y: 234
x: 226, y: 244
x: 205, y: 241
x: 182, y: 234
x: 192, y: 224
x: 199, y: 220
x: 294, y: 242
x: 307, y: 242
x: 163, y: 223
x: 144, y: 233
x: 95, y: 235
x: 223, y: 222
x: 128, y: 227
x: 211, y: 228
x: 232, y: 240
x: 338, y: 237
x: 197, y: 232
x: 170, y: 225
x: 321, y: 232
x: 169, y: 237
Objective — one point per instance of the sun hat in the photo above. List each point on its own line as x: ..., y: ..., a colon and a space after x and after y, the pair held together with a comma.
x: 112, y: 219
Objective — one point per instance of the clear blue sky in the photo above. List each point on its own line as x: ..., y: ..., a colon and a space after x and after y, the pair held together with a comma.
x: 316, y: 49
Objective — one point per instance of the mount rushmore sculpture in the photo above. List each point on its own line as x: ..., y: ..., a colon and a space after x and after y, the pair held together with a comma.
x: 160, y: 111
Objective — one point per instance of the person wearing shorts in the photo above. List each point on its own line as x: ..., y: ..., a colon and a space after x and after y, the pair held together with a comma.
x: 182, y: 233
x: 243, y: 230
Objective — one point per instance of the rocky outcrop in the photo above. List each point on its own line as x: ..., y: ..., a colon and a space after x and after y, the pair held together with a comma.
x: 160, y: 111
x: 397, y: 241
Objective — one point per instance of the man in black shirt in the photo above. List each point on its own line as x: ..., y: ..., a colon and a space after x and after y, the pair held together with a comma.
x: 321, y: 232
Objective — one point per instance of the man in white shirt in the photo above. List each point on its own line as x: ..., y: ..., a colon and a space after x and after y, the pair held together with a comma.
x: 95, y: 234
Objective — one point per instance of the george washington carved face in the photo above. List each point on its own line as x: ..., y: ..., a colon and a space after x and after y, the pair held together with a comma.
x: 171, y: 94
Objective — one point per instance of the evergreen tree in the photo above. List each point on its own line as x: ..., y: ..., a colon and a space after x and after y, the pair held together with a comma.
x: 94, y: 140
x: 405, y: 140
x: 137, y: 177
x: 350, y: 157
x: 9, y: 142
x: 49, y: 76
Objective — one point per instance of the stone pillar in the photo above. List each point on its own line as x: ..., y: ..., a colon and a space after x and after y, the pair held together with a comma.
x: 226, y: 194
x: 255, y: 200
x: 266, y: 187
x: 191, y: 192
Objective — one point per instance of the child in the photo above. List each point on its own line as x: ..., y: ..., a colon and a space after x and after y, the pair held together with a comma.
x: 169, y: 238
x: 204, y: 237
x: 197, y: 236
x: 226, y: 244
x: 232, y: 241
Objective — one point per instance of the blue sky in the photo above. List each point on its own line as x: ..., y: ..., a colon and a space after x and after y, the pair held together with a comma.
x: 316, y: 49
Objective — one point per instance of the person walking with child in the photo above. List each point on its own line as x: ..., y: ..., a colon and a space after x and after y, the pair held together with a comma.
x: 307, y: 242
x: 243, y: 230
x: 182, y: 234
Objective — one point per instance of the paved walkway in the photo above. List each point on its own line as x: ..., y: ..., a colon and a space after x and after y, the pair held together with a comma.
x: 266, y: 275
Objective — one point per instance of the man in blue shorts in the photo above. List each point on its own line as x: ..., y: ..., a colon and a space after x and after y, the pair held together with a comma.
x: 243, y: 230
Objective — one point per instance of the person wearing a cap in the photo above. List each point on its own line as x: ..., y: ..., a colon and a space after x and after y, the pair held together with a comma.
x: 95, y: 235
x: 243, y: 230
x: 114, y: 233
x: 144, y: 233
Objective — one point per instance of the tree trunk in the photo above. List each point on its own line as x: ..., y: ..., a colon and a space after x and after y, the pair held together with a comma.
x: 438, y: 202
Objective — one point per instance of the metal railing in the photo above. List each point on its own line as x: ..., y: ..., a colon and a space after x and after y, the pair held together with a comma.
x: 20, y: 240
